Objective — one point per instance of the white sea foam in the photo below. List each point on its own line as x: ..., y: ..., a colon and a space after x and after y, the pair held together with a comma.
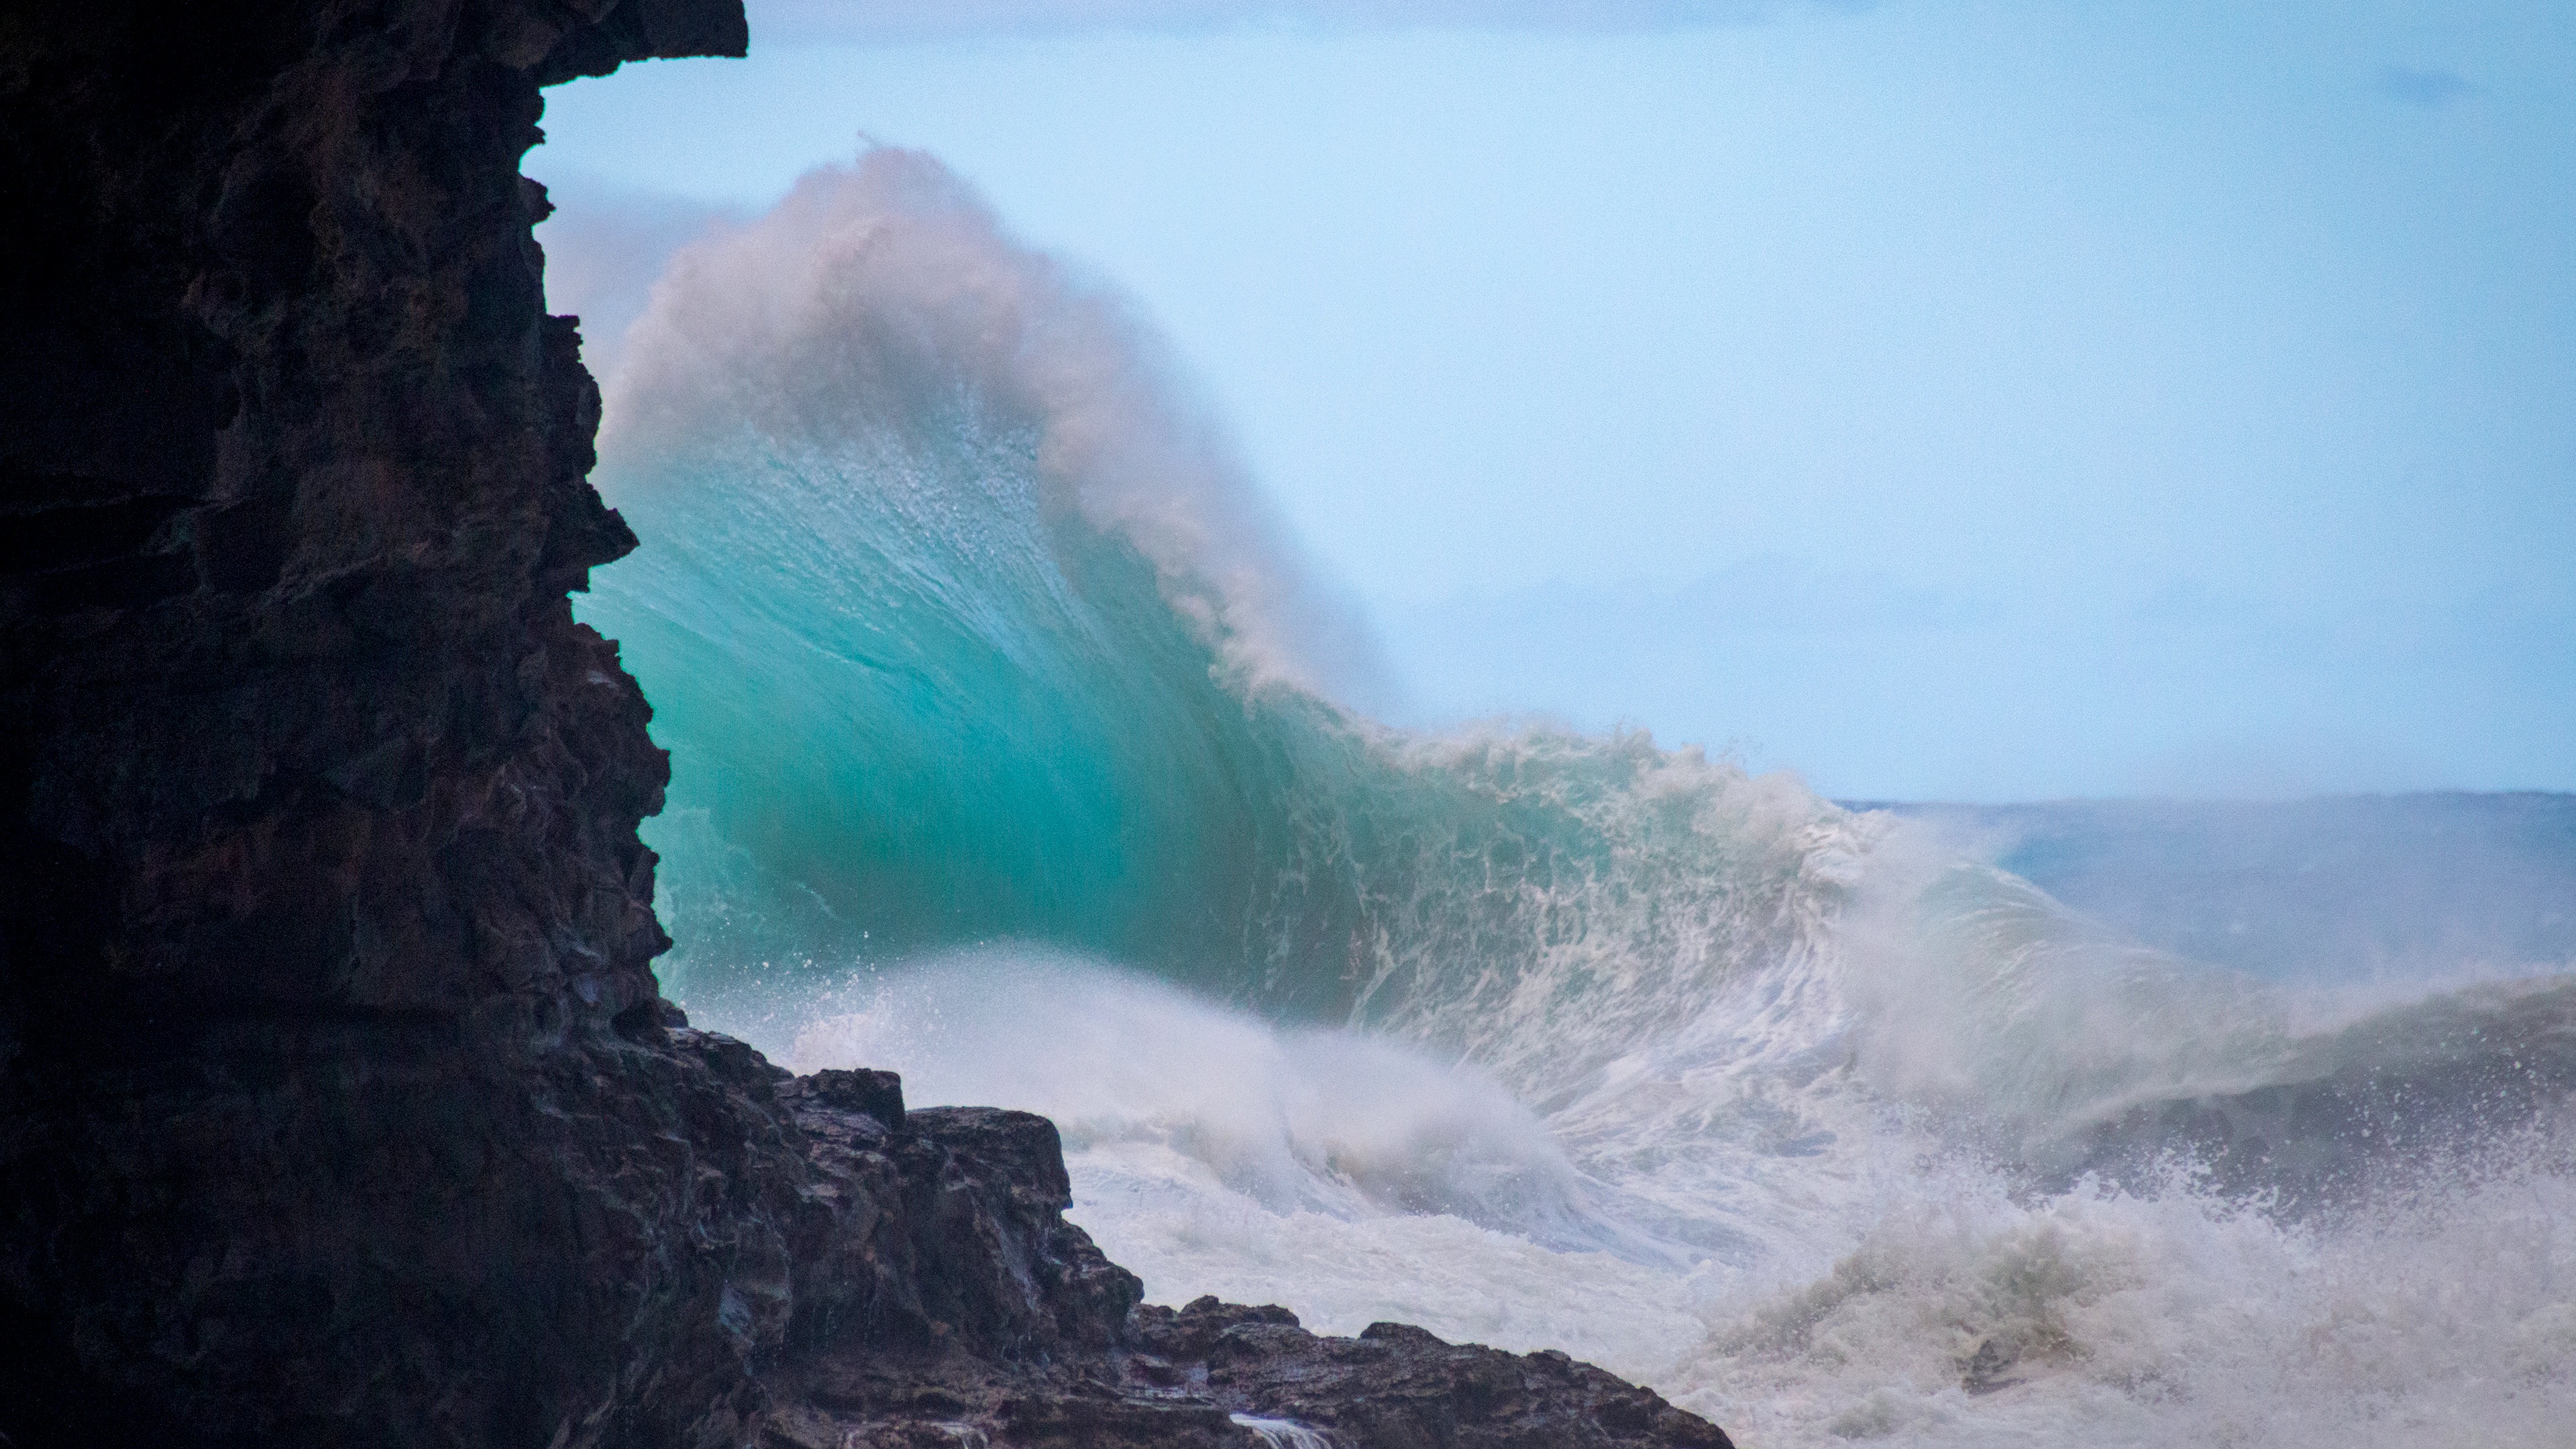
x: 1791, y: 1260
x: 1283, y: 1433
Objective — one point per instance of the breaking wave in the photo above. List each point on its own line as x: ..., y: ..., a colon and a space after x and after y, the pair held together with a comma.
x: 1015, y: 747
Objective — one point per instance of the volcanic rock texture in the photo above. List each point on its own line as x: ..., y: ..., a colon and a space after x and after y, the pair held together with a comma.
x: 337, y: 1103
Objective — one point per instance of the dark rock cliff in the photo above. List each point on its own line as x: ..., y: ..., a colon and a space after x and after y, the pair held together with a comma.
x: 337, y: 1104
x: 324, y: 895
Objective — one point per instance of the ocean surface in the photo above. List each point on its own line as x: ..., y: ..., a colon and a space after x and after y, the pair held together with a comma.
x: 1015, y: 748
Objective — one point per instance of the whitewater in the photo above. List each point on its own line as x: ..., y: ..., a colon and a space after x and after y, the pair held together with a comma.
x: 1015, y: 748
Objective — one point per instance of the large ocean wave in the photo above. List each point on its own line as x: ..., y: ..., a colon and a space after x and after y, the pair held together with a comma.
x: 1015, y: 747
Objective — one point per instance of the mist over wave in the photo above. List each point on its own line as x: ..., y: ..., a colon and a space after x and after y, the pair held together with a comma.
x: 1016, y: 748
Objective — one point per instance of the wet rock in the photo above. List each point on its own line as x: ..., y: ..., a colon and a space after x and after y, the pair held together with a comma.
x: 869, y: 1093
x: 1399, y: 1385
x: 1076, y: 1361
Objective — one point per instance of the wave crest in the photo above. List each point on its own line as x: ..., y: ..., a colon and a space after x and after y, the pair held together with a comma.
x: 881, y: 314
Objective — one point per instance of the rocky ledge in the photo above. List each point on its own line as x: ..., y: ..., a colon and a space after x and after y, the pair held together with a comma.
x: 940, y: 1298
x: 337, y: 1101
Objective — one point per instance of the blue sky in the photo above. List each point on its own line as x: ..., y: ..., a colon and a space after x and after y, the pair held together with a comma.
x: 1942, y: 400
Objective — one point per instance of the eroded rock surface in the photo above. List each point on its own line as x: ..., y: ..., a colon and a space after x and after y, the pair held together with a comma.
x: 337, y: 1102
x: 959, y: 1307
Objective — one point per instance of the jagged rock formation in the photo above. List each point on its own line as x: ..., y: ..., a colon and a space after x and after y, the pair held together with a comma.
x: 337, y: 1103
x: 943, y: 1299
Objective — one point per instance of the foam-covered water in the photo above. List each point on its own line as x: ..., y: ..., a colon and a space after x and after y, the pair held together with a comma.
x: 1012, y: 749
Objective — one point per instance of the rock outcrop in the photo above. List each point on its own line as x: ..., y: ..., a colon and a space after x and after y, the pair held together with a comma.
x: 943, y: 1299
x: 337, y: 1102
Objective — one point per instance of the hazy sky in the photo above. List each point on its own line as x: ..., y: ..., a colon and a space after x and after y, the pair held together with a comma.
x: 1943, y: 400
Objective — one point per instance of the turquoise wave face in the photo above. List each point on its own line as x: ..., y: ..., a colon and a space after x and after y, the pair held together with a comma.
x: 963, y: 630
x: 910, y: 707
x: 906, y: 712
x: 962, y: 626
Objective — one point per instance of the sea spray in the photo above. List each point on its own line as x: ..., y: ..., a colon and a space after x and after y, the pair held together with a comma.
x: 964, y: 626
x: 1282, y: 1433
x: 1804, y: 1286
x: 1015, y: 748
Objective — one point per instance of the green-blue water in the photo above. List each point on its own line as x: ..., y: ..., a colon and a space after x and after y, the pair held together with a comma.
x: 1006, y: 751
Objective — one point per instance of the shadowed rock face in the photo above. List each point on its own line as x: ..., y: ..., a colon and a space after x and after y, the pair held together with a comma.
x: 337, y: 1102
x: 958, y: 1307
x: 317, y: 809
